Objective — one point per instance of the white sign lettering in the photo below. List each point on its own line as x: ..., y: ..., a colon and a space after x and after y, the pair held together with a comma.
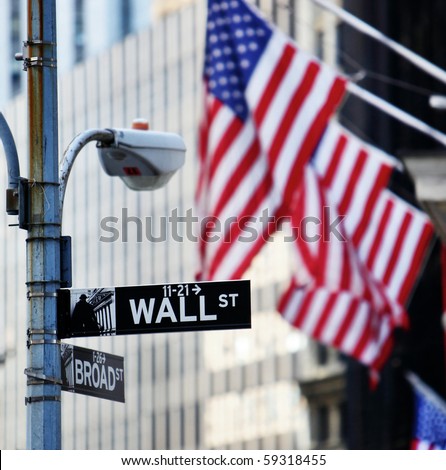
x: 96, y: 375
x: 223, y: 299
x: 142, y: 308
x: 165, y: 310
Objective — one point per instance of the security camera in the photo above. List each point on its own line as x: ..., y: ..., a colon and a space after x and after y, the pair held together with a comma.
x: 144, y: 160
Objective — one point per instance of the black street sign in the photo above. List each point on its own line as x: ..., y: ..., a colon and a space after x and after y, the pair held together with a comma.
x: 154, y: 309
x: 92, y: 372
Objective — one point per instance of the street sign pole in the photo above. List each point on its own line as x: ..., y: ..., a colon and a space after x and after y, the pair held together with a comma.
x: 43, y: 225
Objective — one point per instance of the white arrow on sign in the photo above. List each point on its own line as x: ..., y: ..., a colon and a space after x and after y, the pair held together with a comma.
x: 196, y: 289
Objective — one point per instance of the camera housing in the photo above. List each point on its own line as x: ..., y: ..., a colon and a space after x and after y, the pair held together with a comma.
x: 144, y: 160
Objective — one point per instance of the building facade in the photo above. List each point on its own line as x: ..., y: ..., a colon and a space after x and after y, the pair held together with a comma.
x: 245, y: 389
x: 84, y: 29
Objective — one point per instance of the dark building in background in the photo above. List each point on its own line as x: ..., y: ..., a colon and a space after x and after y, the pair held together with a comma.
x: 383, y: 419
x: 419, y: 26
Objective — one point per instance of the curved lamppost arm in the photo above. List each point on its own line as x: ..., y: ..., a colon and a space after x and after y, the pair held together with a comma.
x: 77, y: 144
x: 13, y: 166
x: 11, y: 153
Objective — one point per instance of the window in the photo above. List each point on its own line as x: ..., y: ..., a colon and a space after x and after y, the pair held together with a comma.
x: 322, y: 424
x: 15, y: 46
x: 320, y: 44
x: 322, y: 354
x: 79, y: 31
x: 126, y: 17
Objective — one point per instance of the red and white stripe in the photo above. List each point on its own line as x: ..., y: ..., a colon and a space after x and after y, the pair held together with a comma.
x: 395, y: 244
x: 354, y: 174
x: 340, y: 320
x: 247, y: 167
x: 341, y: 304
x: 390, y: 235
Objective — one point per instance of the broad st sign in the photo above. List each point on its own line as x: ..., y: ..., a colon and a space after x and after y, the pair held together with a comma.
x: 92, y: 372
x: 154, y: 308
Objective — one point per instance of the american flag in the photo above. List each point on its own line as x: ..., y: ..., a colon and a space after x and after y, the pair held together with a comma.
x: 386, y: 240
x: 390, y: 235
x: 266, y: 106
x: 333, y: 297
x: 429, y: 431
x: 354, y: 175
x: 266, y: 144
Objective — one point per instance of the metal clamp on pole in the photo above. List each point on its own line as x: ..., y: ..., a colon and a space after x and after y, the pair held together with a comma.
x: 31, y: 342
x: 29, y: 400
x: 41, y: 378
x: 30, y: 332
x: 38, y: 60
x: 34, y: 295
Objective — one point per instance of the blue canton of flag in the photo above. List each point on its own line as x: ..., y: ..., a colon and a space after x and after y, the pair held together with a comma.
x: 430, y: 417
x: 235, y: 42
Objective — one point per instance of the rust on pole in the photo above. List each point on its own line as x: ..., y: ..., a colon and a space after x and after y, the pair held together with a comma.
x: 43, y: 241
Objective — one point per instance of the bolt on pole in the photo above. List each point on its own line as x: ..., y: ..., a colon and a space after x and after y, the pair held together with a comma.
x: 43, y: 241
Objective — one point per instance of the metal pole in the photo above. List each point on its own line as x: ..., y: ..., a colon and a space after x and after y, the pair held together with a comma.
x: 365, y: 28
x: 396, y: 113
x: 43, y: 242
